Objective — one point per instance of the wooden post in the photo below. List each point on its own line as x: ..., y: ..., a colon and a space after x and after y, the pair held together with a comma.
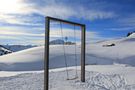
x: 46, y: 64
x: 83, y: 54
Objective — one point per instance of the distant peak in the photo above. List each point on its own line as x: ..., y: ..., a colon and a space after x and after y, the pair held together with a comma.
x: 131, y: 34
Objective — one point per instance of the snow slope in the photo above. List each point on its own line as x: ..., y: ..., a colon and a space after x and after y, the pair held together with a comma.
x: 30, y: 59
x: 108, y: 68
x: 123, y: 52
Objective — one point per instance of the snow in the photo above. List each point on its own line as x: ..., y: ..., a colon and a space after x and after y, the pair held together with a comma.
x: 30, y: 59
x: 123, y: 51
x: 132, y: 35
x: 126, y: 72
x: 94, y: 81
x: 27, y: 81
x: 14, y: 73
x: 107, y: 68
x: 58, y: 81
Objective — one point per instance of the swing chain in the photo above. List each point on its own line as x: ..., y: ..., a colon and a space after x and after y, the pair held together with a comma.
x: 64, y: 51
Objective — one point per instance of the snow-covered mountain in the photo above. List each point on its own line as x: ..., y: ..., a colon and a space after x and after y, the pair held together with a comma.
x: 4, y: 50
x: 60, y: 42
x: 16, y: 48
x: 57, y: 41
x: 30, y: 59
x: 132, y: 35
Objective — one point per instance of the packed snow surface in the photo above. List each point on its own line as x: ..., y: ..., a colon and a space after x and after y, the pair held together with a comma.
x: 58, y: 81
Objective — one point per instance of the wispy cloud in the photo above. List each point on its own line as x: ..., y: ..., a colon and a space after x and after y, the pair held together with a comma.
x: 31, y: 13
x: 20, y: 19
x: 16, y: 32
x: 127, y: 20
x: 122, y: 28
x: 20, y: 11
x: 62, y: 10
x: 17, y: 12
x: 52, y: 8
x: 56, y: 33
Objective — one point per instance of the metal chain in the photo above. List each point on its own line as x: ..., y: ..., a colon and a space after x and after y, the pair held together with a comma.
x: 64, y: 51
x: 75, y: 50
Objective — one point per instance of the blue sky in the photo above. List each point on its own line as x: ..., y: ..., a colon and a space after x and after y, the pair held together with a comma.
x: 23, y: 21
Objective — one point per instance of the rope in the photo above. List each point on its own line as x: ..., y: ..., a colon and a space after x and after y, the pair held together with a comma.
x: 75, y: 50
x: 64, y: 51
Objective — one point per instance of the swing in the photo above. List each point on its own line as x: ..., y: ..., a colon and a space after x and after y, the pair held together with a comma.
x: 46, y: 59
x: 65, y: 57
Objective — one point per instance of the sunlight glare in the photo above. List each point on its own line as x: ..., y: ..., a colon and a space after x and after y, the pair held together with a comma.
x: 10, y: 6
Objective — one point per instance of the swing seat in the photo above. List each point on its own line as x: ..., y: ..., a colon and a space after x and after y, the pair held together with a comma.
x: 72, y: 78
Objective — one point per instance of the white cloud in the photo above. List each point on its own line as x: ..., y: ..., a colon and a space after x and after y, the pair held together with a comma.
x: 12, y: 11
x: 17, y: 12
x: 10, y: 33
x: 18, y: 19
x: 16, y: 32
x: 10, y: 8
x: 7, y: 37
x: 55, y: 33
x: 57, y: 11
x: 96, y: 14
x: 38, y: 42
x: 14, y: 35
x: 14, y: 7
x: 64, y: 11
x: 127, y: 21
x: 122, y: 29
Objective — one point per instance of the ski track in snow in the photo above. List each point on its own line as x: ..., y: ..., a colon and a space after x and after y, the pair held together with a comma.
x: 58, y: 81
x: 94, y: 81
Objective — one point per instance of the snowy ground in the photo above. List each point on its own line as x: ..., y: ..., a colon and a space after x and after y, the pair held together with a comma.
x: 26, y: 81
x: 108, y: 68
x: 94, y: 81
x: 58, y: 81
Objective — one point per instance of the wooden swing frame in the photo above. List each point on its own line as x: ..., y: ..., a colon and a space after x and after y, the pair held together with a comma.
x: 46, y: 56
